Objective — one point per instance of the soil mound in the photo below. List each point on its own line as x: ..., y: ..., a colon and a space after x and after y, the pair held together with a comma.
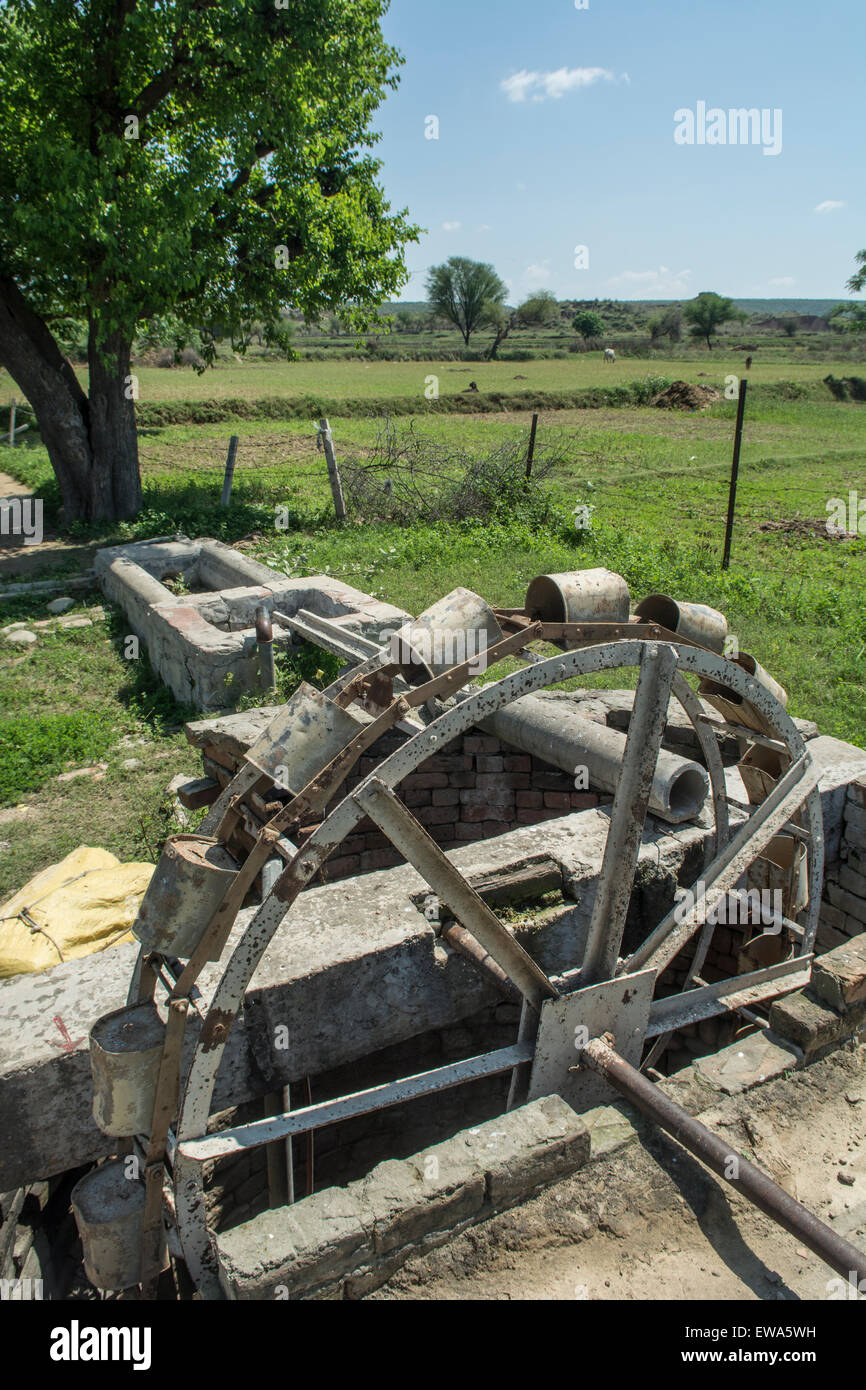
x: 682, y: 395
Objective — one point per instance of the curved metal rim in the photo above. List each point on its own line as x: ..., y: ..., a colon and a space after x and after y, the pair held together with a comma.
x: 227, y: 999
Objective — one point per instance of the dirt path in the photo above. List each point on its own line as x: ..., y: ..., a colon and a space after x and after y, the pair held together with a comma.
x: 652, y: 1223
x: 29, y: 561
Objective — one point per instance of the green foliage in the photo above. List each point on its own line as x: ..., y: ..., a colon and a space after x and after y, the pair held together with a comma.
x: 857, y: 283
x: 36, y: 746
x: 708, y: 312
x: 466, y: 293
x: 588, y: 324
x: 538, y: 311
x: 196, y: 161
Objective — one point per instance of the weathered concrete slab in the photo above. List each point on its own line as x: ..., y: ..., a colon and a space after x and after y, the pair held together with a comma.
x: 840, y: 763
x: 750, y: 1062
x: 344, y: 1242
x: 203, y: 645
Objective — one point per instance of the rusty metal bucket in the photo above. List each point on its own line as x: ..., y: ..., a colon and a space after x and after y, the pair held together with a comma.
x: 761, y: 769
x: 460, y: 627
x: 732, y: 706
x: 695, y: 621
x: 582, y: 596
x: 187, y: 887
x: 783, y: 867
x: 303, y: 738
x: 125, y: 1052
x: 109, y: 1214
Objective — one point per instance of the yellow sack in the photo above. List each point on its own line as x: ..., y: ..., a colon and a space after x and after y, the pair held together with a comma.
x: 84, y: 904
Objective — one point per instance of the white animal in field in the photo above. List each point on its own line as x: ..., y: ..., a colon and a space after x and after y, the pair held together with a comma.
x: 609, y: 355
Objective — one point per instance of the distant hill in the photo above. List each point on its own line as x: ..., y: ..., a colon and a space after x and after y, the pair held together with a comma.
x: 767, y: 308
x: 775, y: 308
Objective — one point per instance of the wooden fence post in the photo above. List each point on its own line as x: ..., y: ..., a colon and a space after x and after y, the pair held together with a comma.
x: 333, y: 470
x: 230, y: 471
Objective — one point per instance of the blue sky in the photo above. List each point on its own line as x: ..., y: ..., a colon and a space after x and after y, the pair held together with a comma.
x: 578, y: 148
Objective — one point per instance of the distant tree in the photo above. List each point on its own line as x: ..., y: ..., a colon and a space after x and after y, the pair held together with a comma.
x: 655, y: 329
x: 857, y: 283
x: 851, y: 317
x: 848, y: 318
x: 672, y: 323
x: 588, y: 324
x: 538, y: 311
x: 465, y: 293
x: 790, y: 324
x: 708, y: 312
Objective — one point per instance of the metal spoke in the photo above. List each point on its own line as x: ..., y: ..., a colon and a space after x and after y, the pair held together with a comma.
x: 751, y: 839
x: 381, y: 804
x: 658, y: 664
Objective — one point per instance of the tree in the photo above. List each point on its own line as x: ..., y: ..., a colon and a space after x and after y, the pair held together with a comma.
x: 708, y: 312
x: 539, y: 310
x: 208, y: 159
x: 671, y: 326
x: 857, y: 283
x: 465, y: 293
x: 588, y: 324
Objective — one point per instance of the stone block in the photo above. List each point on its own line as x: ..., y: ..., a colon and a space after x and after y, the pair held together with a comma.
x: 839, y: 977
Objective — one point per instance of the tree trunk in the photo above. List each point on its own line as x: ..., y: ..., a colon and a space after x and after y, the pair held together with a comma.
x: 91, y: 443
x: 115, y: 492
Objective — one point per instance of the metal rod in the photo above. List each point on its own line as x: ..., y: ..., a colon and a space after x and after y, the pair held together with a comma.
x: 265, y: 639
x: 735, y: 470
x: 754, y: 1185
x: 628, y: 816
x: 329, y: 1112
x: 531, y: 451
x: 333, y: 470
x: 231, y: 456
x: 411, y: 839
x: 12, y: 410
x: 751, y: 839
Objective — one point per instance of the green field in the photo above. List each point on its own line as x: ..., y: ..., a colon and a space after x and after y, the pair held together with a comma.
x: 370, y: 380
x: 657, y: 481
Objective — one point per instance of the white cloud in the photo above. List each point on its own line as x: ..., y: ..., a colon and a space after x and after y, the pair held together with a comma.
x: 485, y: 227
x: 782, y: 282
x: 536, y: 275
x: 538, y: 86
x: 662, y: 283
x: 451, y: 226
x: 829, y: 205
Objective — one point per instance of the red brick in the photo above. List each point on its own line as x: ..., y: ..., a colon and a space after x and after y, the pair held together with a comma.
x: 487, y: 796
x: 417, y: 796
x: 450, y: 762
x: 461, y: 779
x: 342, y: 868
x: 355, y: 844
x: 443, y: 835
x: 380, y: 859
x: 469, y: 832
x: 527, y: 799
x: 425, y: 780
x: 485, y: 781
x: 478, y: 743
x: 558, y: 801
x: 583, y: 801
x: 515, y: 763
x: 445, y: 796
x: 491, y: 827
x: 437, y: 815
x: 533, y: 817
x: 488, y: 764
x: 552, y: 781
